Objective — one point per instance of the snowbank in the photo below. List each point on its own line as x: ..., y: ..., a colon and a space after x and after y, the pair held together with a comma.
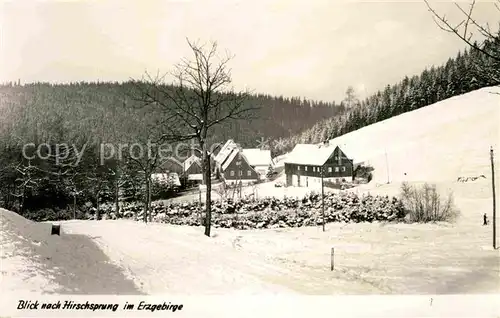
x: 33, y: 260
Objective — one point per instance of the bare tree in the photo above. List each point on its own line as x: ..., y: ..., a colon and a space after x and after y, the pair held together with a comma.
x: 147, y: 164
x: 61, y: 169
x: 476, y: 34
x: 351, y: 100
x: 26, y: 181
x: 201, y: 99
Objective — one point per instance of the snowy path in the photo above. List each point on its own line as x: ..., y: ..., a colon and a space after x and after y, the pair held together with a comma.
x: 181, y: 260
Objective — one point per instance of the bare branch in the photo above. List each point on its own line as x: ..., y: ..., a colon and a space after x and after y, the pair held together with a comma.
x: 485, y: 31
x: 445, y: 25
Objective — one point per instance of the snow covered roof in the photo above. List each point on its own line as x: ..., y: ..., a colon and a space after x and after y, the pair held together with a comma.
x: 225, y: 151
x: 196, y: 176
x: 169, y: 164
x: 309, y: 154
x: 258, y: 157
x: 229, y: 158
x: 167, y: 178
x: 314, y: 155
x: 189, y: 162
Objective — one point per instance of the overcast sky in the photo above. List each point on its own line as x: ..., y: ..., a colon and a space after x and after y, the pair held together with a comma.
x: 296, y: 48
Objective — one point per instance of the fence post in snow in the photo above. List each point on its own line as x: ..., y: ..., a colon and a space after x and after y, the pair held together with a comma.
x: 323, y: 197
x: 56, y: 229
x: 332, y: 259
x: 494, y: 199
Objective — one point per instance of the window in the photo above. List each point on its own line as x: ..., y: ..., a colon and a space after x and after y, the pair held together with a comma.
x: 249, y: 173
x: 298, y: 167
x: 241, y: 173
x: 231, y: 173
x: 329, y: 169
x: 336, y: 169
x: 305, y: 168
x: 314, y: 169
x: 343, y: 168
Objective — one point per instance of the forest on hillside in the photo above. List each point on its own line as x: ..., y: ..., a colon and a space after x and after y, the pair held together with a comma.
x: 468, y: 71
x: 276, y: 117
x: 65, y: 131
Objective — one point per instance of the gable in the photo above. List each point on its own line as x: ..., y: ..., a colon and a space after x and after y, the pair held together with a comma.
x: 338, y: 157
x: 194, y: 168
x: 238, y: 163
x: 170, y: 164
x: 190, y: 161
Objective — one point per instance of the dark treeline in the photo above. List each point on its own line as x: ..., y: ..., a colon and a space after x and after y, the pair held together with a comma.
x: 468, y: 71
x: 84, y: 116
x: 277, y: 117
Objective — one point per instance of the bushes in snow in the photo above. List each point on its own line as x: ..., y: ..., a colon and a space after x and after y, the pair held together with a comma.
x: 276, y: 213
x: 424, y: 204
x: 416, y: 205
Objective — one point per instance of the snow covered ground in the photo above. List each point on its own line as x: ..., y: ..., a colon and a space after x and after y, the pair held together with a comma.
x: 437, y: 144
x: 265, y: 189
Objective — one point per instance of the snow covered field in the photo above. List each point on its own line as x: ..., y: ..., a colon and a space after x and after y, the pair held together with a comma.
x: 438, y: 144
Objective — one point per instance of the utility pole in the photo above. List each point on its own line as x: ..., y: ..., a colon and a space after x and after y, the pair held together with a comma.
x: 387, y: 167
x: 494, y: 199
x: 323, y: 197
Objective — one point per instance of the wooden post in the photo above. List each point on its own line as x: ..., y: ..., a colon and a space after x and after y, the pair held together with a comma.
x: 387, y: 167
x: 322, y: 198
x: 332, y: 259
x: 494, y: 200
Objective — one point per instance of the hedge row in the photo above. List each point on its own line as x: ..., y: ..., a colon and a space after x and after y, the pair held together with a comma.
x: 272, y: 212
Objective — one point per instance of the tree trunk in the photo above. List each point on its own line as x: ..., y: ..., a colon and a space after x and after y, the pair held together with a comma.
x: 208, y: 182
x: 117, y: 197
x: 74, y: 205
x: 97, y: 213
x: 146, y: 197
x: 150, y: 214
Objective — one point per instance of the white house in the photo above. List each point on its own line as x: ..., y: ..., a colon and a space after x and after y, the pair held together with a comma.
x: 259, y: 160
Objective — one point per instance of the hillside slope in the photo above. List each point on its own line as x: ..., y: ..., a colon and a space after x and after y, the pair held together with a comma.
x: 440, y: 142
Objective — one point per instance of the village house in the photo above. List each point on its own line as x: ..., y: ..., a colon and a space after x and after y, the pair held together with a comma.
x: 222, y: 156
x: 170, y: 165
x: 303, y: 167
x: 260, y: 160
x: 236, y: 169
x: 168, y: 172
x: 192, y: 171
